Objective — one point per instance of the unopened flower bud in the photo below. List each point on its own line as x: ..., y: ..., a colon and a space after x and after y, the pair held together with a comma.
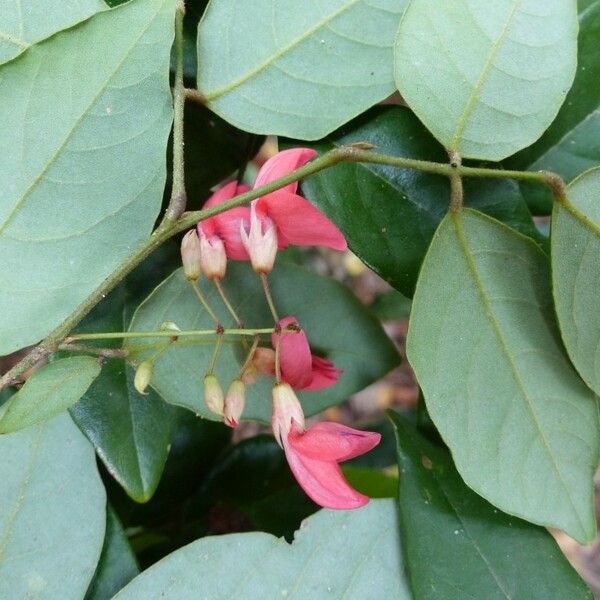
x: 213, y: 259
x: 263, y: 360
x: 260, y: 245
x: 169, y: 326
x: 287, y: 412
x: 190, y: 255
x: 213, y: 395
x: 234, y: 402
x: 143, y: 375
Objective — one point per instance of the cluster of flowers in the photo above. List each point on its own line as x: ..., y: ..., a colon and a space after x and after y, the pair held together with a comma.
x: 275, y: 221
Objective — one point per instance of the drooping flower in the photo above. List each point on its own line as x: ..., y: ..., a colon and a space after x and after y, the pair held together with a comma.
x: 235, y: 400
x: 190, y: 255
x: 299, y: 367
x: 213, y: 395
x: 314, y: 454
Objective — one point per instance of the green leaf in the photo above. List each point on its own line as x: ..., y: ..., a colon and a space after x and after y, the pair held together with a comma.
x: 400, y: 208
x: 486, y: 79
x: 522, y: 427
x: 570, y: 145
x: 350, y: 554
x: 296, y: 69
x: 25, y: 22
x: 48, y: 392
x: 131, y: 432
x: 72, y: 206
x: 338, y: 327
x: 576, y: 274
x: 371, y: 482
x: 52, y: 512
x: 117, y: 565
x: 458, y: 546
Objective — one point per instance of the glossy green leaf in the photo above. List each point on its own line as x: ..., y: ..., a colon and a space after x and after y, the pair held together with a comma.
x: 25, y: 22
x: 571, y: 144
x: 522, y: 426
x: 130, y: 431
x: 371, y: 482
x: 351, y: 554
x: 576, y: 274
x: 296, y: 69
x: 72, y: 207
x: 486, y: 78
x: 52, y: 512
x: 399, y: 208
x: 337, y: 325
x: 48, y: 392
x: 456, y: 545
x: 117, y: 565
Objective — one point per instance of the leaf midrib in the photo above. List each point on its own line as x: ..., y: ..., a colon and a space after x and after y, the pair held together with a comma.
x: 462, y: 122
x: 78, y: 121
x: 461, y: 238
x: 15, y: 41
x: 277, y: 55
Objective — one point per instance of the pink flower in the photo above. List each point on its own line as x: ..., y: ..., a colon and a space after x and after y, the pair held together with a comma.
x: 299, y: 367
x: 273, y: 221
x: 313, y: 455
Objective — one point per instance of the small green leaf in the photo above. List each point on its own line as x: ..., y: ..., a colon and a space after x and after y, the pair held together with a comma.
x: 576, y: 274
x: 339, y: 554
x: 371, y: 482
x: 521, y: 425
x: 296, y: 69
x: 25, y: 22
x: 338, y: 327
x: 48, y: 392
x: 131, y: 432
x: 77, y: 201
x: 486, y: 78
x: 400, y: 208
x: 52, y: 512
x: 117, y: 565
x: 457, y: 545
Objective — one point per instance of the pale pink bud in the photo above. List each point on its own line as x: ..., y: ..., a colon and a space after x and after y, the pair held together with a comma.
x: 234, y: 402
x: 143, y: 375
x: 190, y: 255
x: 260, y: 245
x: 213, y: 395
x: 213, y: 259
x: 263, y: 360
x: 287, y: 412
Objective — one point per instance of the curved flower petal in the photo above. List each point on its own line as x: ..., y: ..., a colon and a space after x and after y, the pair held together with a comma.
x: 282, y: 164
x: 299, y: 222
x: 323, y: 481
x: 324, y: 373
x: 328, y: 441
x: 295, y: 359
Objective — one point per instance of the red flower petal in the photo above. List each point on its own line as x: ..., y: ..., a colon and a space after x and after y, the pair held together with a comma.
x: 295, y: 358
x: 299, y: 222
x: 324, y: 374
x: 332, y: 442
x: 323, y: 481
x: 281, y: 164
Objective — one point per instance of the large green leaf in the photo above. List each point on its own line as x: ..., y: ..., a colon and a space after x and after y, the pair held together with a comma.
x: 486, y: 78
x: 338, y: 554
x: 399, y: 208
x: 337, y: 325
x: 117, y: 565
x: 571, y: 144
x: 576, y: 274
x: 522, y: 426
x: 52, y: 512
x: 130, y: 431
x: 456, y: 545
x: 85, y: 184
x: 48, y: 392
x: 25, y: 22
x: 296, y: 69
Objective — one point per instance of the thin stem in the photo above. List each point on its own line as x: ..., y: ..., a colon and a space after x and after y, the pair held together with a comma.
x: 269, y: 297
x: 230, y: 308
x: 112, y: 335
x: 178, y: 195
x: 250, y: 355
x: 204, y: 302
x: 456, y: 183
x: 277, y: 357
x: 103, y: 352
x: 213, y: 360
